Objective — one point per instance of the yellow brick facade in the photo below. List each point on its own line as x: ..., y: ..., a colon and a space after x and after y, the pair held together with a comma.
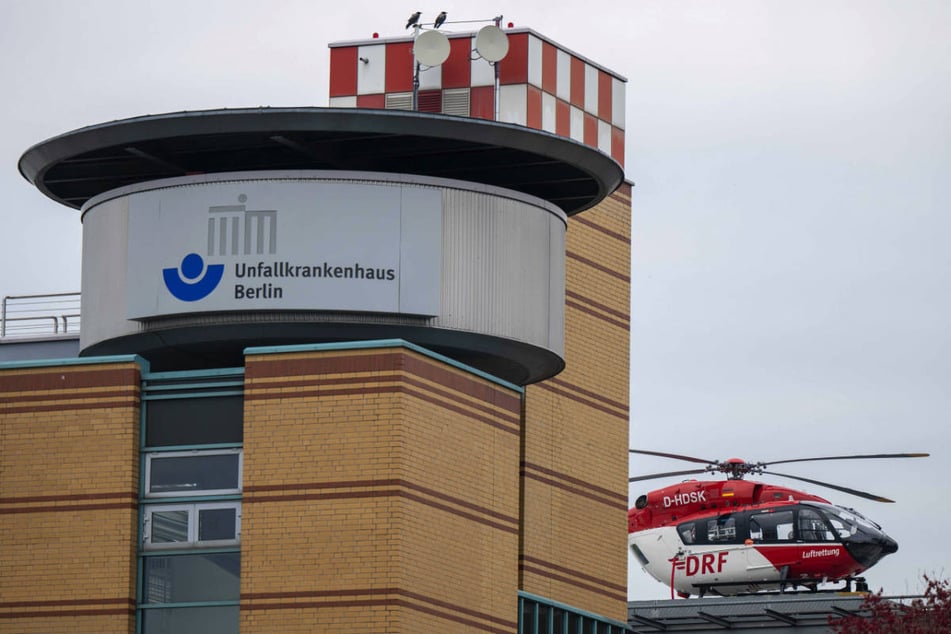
x: 384, y: 490
x: 574, y: 468
x: 381, y: 495
x: 68, y: 490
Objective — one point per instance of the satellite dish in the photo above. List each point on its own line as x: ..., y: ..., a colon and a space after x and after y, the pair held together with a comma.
x: 431, y: 48
x: 491, y: 43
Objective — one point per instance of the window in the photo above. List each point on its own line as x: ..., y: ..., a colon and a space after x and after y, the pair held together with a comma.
x: 193, y: 421
x: 772, y: 526
x: 688, y: 533
x: 842, y: 529
x: 721, y: 529
x: 190, y: 500
x: 812, y: 528
x: 191, y: 620
x: 847, y: 521
x: 182, y: 473
x: 205, y: 524
x: 191, y: 578
x: 639, y: 555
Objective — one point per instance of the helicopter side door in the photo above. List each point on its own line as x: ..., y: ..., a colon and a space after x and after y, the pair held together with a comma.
x: 713, y: 554
x: 771, y: 534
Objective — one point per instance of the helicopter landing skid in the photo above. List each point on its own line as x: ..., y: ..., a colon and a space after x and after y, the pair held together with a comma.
x: 783, y: 586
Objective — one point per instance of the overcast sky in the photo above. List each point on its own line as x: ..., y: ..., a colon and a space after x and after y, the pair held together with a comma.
x: 791, y: 214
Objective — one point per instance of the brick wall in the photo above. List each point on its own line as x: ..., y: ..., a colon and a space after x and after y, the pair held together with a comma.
x: 384, y: 490
x: 574, y: 469
x: 68, y: 491
x: 381, y: 495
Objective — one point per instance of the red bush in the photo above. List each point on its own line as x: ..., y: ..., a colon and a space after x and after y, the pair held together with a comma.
x: 930, y: 614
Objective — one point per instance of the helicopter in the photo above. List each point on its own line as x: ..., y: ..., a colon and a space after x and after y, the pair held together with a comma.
x: 733, y: 536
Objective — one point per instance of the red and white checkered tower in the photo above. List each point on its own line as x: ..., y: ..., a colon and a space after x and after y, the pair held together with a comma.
x: 542, y: 85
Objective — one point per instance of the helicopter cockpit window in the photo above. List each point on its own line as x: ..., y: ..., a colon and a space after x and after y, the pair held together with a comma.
x: 841, y: 529
x: 776, y: 526
x: 846, y: 522
x: 688, y: 532
x: 812, y: 528
x: 721, y: 529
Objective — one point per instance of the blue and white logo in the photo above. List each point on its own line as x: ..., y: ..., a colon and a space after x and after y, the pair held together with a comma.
x: 193, y: 280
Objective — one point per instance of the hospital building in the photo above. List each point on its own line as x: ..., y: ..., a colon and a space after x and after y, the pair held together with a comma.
x: 355, y: 368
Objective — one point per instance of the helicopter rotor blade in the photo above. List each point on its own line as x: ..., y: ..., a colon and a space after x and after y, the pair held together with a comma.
x: 667, y: 474
x: 673, y: 455
x: 855, y: 492
x: 855, y: 457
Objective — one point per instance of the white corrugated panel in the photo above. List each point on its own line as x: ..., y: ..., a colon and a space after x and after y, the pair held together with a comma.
x: 399, y: 101
x: 497, y: 269
x: 456, y: 101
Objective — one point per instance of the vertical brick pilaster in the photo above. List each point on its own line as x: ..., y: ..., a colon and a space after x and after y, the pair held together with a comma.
x: 381, y: 495
x: 574, y: 467
x: 68, y: 497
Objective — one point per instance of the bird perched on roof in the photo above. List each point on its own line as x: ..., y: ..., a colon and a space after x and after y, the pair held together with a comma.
x: 440, y: 19
x: 413, y: 19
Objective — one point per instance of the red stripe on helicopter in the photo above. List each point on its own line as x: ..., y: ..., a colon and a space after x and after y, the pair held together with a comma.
x: 811, y: 560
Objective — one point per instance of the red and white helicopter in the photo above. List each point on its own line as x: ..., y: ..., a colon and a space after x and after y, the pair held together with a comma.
x: 734, y: 536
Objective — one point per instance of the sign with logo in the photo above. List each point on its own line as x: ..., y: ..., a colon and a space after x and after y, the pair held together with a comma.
x: 284, y: 245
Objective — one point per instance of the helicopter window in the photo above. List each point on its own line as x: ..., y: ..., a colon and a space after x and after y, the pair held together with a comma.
x: 639, y: 554
x: 842, y: 528
x: 756, y: 531
x: 688, y: 532
x: 812, y: 528
x: 772, y: 527
x: 846, y: 522
x: 851, y: 517
x: 721, y: 529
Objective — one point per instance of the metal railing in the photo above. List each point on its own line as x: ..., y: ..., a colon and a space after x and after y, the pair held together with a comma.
x: 39, y: 315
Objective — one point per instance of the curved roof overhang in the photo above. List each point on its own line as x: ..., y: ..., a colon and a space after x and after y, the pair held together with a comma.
x: 76, y: 166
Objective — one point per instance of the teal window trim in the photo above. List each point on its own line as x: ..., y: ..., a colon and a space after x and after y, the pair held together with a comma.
x: 224, y: 445
x: 178, y: 397
x: 223, y: 550
x: 172, y: 387
x: 159, y: 386
x: 529, y: 628
x: 139, y: 578
x: 229, y: 497
x: 48, y: 363
x: 193, y: 536
x: 141, y: 448
x: 188, y: 374
x: 190, y: 604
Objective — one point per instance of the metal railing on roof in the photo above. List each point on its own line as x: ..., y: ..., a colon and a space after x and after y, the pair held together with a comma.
x: 52, y: 314
x: 799, y: 611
